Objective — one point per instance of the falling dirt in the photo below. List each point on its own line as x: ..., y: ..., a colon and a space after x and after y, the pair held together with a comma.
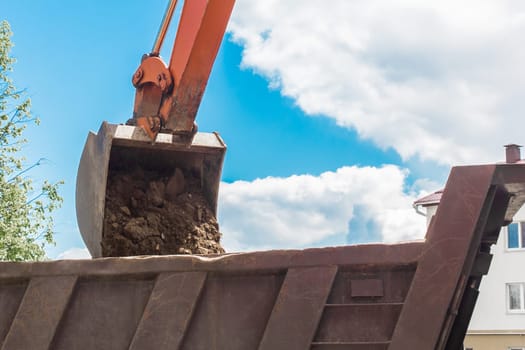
x: 151, y: 214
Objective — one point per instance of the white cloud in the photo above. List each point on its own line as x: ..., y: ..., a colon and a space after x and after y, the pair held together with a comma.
x: 304, y: 210
x: 441, y: 80
x: 74, y: 253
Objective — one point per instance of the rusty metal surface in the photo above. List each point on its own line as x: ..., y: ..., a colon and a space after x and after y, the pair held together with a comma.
x: 417, y: 295
x: 11, y: 294
x: 303, y: 294
x: 472, y: 209
x: 90, y: 196
x: 125, y: 144
x: 40, y: 311
x: 439, y: 272
x: 358, y: 323
x: 103, y: 314
x: 173, y: 291
x: 403, y: 254
x: 233, y: 311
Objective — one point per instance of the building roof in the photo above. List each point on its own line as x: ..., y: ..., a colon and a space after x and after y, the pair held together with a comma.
x: 431, y: 199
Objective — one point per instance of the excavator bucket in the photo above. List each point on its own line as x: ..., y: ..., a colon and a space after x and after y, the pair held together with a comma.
x: 151, y: 187
x: 126, y: 148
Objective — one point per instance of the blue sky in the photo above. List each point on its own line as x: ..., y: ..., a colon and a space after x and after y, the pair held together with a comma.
x: 336, y: 118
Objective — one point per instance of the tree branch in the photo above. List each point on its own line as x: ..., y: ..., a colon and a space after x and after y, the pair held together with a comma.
x: 38, y: 162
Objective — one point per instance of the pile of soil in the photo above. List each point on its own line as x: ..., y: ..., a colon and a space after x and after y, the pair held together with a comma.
x: 151, y: 214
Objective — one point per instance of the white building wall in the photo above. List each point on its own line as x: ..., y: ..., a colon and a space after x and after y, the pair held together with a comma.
x: 431, y: 211
x: 491, y: 312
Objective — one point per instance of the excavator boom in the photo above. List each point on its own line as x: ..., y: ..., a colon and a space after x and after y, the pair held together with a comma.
x: 168, y: 97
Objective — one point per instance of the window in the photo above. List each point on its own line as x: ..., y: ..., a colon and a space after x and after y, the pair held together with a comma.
x: 516, y: 235
x: 515, y: 297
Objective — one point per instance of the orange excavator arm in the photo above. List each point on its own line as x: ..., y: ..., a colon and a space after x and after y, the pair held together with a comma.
x: 168, y: 97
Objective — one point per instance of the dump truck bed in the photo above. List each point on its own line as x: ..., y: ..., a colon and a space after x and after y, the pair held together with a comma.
x: 417, y: 295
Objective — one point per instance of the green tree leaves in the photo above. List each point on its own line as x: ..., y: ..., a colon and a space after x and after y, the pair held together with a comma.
x: 26, y: 225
